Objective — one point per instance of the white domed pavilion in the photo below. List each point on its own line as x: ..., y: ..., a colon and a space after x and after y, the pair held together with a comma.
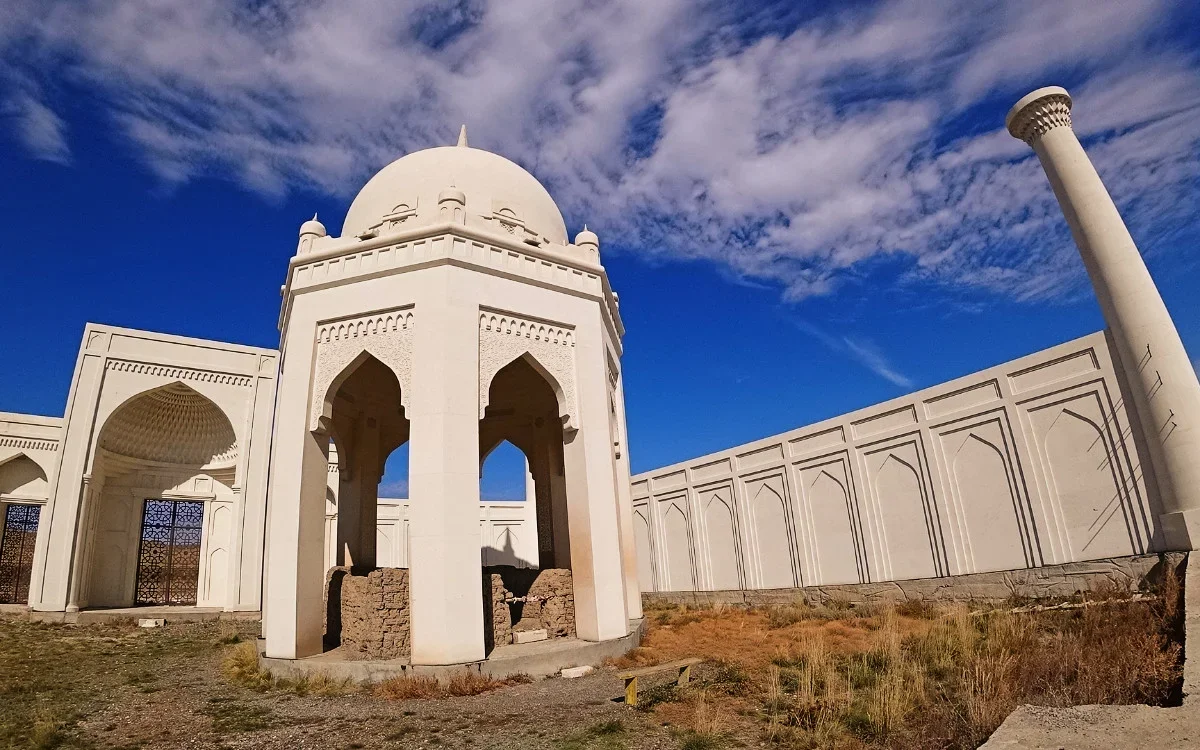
x: 452, y: 314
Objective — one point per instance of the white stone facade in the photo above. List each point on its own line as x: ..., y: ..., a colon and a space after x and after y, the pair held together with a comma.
x: 153, y: 416
x: 1029, y: 463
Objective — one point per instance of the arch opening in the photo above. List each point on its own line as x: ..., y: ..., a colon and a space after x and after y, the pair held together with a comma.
x: 504, y: 488
x: 164, y: 467
x: 368, y: 433
x: 523, y: 411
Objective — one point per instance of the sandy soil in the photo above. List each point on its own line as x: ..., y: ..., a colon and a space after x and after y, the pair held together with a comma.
x: 121, y: 687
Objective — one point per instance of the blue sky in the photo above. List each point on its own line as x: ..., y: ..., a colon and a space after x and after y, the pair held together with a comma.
x: 806, y: 208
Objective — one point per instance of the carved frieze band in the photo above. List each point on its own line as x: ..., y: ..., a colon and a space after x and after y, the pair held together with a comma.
x: 27, y: 444
x: 1042, y: 116
x: 387, y: 336
x: 177, y: 373
x: 504, y: 337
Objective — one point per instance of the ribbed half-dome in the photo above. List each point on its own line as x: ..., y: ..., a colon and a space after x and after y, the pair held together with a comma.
x: 408, y: 189
x: 173, y: 424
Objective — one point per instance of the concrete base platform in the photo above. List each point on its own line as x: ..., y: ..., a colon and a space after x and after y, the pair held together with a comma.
x: 170, y: 614
x: 539, y: 659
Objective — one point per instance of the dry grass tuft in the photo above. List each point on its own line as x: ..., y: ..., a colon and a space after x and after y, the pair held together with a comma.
x: 460, y: 684
x: 240, y: 667
x: 408, y: 688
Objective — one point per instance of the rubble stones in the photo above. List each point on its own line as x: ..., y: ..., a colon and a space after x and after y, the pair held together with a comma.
x: 374, y: 612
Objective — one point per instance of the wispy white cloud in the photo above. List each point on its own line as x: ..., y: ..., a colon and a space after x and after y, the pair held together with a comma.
x: 39, y: 129
x: 872, y: 357
x: 858, y: 349
x: 797, y: 155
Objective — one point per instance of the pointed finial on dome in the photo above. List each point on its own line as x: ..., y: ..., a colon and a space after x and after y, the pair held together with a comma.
x: 589, y: 243
x: 462, y: 136
x: 312, y: 227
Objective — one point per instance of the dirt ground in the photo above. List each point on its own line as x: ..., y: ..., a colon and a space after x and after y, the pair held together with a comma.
x: 797, y: 676
x: 119, y: 686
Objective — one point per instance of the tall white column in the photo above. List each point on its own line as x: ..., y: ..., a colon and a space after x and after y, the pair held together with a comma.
x: 1165, y: 390
x: 294, y: 593
x: 445, y: 594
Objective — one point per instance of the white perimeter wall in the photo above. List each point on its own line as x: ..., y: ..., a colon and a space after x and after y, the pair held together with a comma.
x: 507, y: 530
x: 1029, y: 463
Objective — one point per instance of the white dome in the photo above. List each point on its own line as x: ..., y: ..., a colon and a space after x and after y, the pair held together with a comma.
x: 490, y: 182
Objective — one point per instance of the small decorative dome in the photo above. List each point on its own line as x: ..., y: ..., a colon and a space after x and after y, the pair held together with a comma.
x: 587, y: 238
x: 312, y: 227
x: 452, y: 194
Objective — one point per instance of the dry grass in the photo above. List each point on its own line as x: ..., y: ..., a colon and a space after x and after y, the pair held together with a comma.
x: 52, y: 677
x: 240, y: 667
x: 910, y: 676
x: 460, y: 684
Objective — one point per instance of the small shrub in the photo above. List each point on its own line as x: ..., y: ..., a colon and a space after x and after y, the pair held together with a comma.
x: 46, y: 733
x: 471, y: 683
x: 699, y: 741
x: 921, y: 609
x: 241, y: 668
x: 606, y: 728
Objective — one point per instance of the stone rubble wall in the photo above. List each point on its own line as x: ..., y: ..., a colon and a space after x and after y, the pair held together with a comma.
x: 501, y: 618
x: 1125, y: 574
x: 555, y: 610
x: 374, y: 608
x: 550, y: 602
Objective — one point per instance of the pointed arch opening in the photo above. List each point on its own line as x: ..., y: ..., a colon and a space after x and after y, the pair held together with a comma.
x: 368, y: 433
x: 523, y: 411
x: 503, y: 489
x: 164, y: 469
x: 564, y: 411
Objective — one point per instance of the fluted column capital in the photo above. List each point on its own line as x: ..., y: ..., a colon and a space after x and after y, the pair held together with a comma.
x: 1039, y: 112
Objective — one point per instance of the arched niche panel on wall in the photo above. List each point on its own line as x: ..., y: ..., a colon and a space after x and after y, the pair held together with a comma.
x: 220, y: 536
x: 908, y: 525
x: 994, y: 518
x: 21, y: 476
x: 770, y: 530
x: 677, y: 540
x: 1087, y: 475
x: 645, y: 552
x: 720, y: 531
x: 832, y: 518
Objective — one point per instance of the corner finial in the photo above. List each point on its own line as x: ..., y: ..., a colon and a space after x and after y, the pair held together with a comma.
x: 315, y: 217
x: 462, y: 136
